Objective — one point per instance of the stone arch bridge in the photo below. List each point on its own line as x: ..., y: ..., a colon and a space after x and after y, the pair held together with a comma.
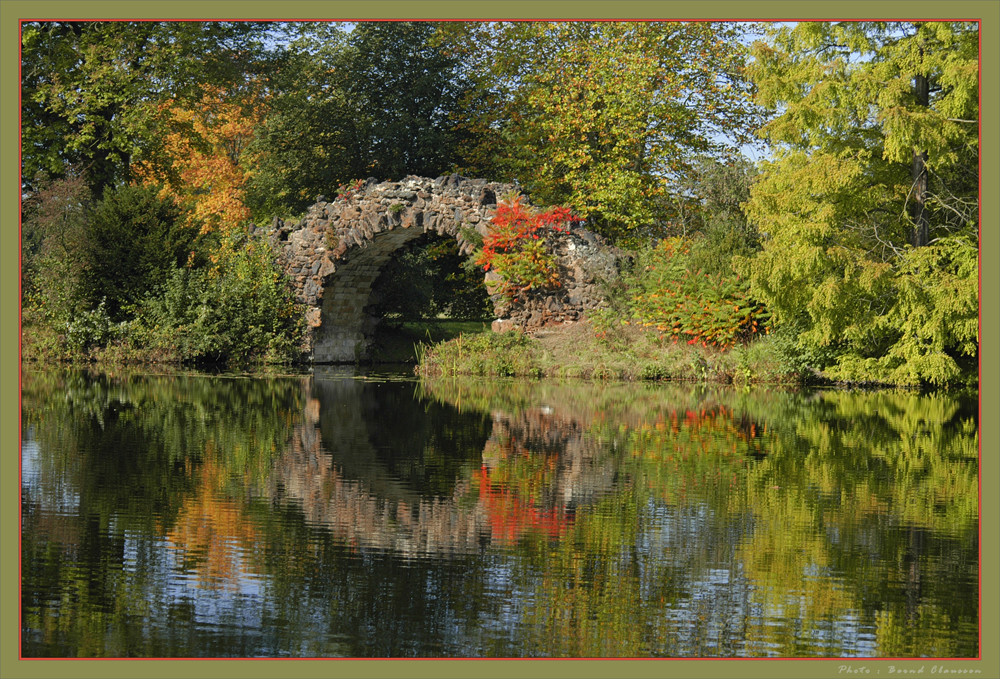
x: 334, y: 255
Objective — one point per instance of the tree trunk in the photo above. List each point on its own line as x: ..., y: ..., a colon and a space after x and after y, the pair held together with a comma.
x: 920, y: 231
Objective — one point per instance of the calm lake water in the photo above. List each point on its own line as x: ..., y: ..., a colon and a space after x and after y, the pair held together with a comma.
x: 363, y: 516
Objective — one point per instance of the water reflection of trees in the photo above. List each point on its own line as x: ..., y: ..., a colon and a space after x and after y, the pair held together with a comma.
x: 837, y: 523
x: 139, y: 456
x: 364, y: 517
x: 879, y: 490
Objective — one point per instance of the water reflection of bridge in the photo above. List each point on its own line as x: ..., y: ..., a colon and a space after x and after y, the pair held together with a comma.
x: 380, y: 469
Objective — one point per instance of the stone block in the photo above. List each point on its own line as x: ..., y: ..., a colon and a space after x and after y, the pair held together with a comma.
x: 503, y: 325
x: 327, y: 267
x: 313, y: 317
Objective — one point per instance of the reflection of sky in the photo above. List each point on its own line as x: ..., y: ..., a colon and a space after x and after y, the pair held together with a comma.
x: 500, y: 580
x: 719, y: 602
x: 221, y: 608
x: 720, y: 610
x: 245, y: 582
x: 56, y: 495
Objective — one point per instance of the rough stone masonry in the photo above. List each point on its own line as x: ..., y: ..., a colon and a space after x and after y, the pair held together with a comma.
x: 334, y: 254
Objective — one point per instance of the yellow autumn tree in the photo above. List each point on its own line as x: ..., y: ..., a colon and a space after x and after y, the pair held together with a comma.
x: 199, y: 163
x: 212, y: 534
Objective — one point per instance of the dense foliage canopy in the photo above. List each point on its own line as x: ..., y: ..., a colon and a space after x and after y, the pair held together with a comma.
x: 605, y: 118
x: 90, y: 90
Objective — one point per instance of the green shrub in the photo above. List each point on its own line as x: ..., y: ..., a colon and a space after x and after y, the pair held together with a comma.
x: 774, y: 358
x: 240, y: 311
x: 90, y: 329
x: 679, y: 302
x: 133, y: 239
x: 654, y: 372
x: 505, y: 354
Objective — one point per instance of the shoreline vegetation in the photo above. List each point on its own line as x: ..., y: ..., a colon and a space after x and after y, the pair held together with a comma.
x: 576, y: 352
x: 444, y: 348
x: 629, y: 354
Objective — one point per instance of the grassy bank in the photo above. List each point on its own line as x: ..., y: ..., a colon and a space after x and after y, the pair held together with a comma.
x: 392, y: 345
x: 401, y: 344
x: 628, y: 354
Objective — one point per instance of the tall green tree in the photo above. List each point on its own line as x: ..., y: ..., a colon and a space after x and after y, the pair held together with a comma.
x: 606, y: 117
x: 134, y: 238
x: 869, y: 202
x: 53, y: 243
x: 406, y: 89
x: 309, y: 142
x: 376, y: 101
x: 710, y: 212
x: 90, y: 89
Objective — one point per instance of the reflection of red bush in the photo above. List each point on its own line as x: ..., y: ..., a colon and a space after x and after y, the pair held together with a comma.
x: 714, y: 422
x: 510, y: 517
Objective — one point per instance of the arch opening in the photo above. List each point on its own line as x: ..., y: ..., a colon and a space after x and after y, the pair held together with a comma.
x: 347, y: 328
x: 402, y: 285
x: 428, y: 290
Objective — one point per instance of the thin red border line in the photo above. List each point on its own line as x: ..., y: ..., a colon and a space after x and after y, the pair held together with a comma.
x: 979, y: 469
x: 20, y: 432
x: 978, y: 21
x: 979, y: 466
x: 841, y: 659
x: 979, y: 344
x: 20, y: 341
